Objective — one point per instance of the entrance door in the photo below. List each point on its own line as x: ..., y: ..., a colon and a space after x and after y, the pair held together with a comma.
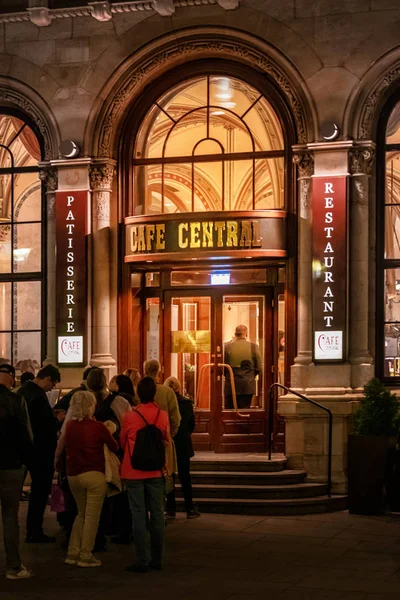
x: 198, y: 327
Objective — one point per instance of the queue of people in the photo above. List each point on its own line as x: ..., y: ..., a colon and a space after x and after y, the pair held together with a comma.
x: 100, y: 439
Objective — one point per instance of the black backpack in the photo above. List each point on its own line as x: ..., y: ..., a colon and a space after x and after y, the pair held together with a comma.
x: 149, y: 451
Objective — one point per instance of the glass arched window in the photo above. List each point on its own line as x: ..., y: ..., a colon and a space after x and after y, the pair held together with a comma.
x: 211, y: 143
x: 21, y: 253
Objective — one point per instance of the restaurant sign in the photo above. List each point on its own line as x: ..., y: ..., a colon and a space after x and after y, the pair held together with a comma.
x: 205, y: 234
x: 71, y: 219
x: 329, y: 270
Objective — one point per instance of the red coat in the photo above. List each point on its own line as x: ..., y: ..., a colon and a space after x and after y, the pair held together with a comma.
x: 132, y: 424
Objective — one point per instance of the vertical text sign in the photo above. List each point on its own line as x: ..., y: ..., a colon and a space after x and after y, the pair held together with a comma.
x: 329, y: 267
x: 71, y: 211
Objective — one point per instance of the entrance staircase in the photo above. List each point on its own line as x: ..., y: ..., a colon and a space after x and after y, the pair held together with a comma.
x: 249, y: 484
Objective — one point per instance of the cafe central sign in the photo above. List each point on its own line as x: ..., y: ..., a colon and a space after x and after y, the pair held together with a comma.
x: 71, y: 218
x: 329, y: 267
x: 205, y: 234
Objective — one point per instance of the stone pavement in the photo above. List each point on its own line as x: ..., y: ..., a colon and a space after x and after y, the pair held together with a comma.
x: 219, y: 557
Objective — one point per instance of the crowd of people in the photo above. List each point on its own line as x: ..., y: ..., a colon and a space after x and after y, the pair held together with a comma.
x: 115, y: 450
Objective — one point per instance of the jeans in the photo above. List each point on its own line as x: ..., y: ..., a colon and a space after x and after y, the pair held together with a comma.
x: 146, y: 501
x: 89, y: 490
x: 42, y: 478
x: 11, y: 482
x: 186, y: 483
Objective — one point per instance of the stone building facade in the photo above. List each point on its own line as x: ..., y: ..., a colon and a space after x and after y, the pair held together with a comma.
x: 328, y: 75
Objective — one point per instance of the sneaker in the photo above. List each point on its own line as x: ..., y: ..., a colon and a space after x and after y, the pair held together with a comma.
x: 71, y: 560
x: 170, y: 514
x: 89, y: 562
x: 21, y: 573
x: 137, y: 569
x: 193, y: 513
x: 40, y: 538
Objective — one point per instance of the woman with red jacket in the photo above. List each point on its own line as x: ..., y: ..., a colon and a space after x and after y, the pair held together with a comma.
x: 84, y: 441
x: 145, y: 488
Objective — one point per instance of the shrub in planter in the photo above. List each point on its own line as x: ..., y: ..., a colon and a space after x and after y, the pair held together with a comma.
x: 374, y: 425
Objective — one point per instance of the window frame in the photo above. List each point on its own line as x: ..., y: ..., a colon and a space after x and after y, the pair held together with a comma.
x: 13, y: 277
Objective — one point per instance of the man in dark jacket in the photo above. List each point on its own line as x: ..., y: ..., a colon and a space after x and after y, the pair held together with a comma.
x: 16, y: 448
x: 245, y: 360
x: 44, y: 428
x: 184, y: 452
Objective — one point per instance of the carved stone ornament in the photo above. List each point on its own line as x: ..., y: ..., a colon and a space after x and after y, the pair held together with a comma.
x: 101, y: 10
x: 360, y: 197
x: 361, y: 161
x: 187, y: 50
x: 101, y: 177
x: 101, y: 206
x: 371, y: 104
x: 304, y: 197
x: 40, y: 16
x: 17, y: 100
x: 50, y: 178
x: 305, y: 164
x: 51, y: 207
x: 165, y: 8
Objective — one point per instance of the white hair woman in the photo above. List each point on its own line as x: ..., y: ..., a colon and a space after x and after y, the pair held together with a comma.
x: 84, y: 441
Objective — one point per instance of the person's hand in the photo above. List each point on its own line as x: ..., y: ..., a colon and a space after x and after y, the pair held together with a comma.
x: 112, y: 428
x: 60, y: 414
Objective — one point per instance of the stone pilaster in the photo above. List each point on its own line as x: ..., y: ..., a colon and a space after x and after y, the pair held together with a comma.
x: 101, y: 178
x: 49, y: 176
x: 305, y: 169
x: 361, y: 160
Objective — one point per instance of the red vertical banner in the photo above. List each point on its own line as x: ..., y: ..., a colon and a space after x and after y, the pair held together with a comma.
x: 71, y: 220
x: 329, y: 267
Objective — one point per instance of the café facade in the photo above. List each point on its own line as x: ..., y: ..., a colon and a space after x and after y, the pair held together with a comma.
x: 173, y: 169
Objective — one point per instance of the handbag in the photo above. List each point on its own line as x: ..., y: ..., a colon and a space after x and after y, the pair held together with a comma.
x: 57, y: 503
x: 112, y: 467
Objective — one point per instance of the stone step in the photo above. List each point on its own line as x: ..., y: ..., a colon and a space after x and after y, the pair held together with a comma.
x: 219, y: 464
x: 285, y: 477
x: 256, y: 492
x: 270, y: 507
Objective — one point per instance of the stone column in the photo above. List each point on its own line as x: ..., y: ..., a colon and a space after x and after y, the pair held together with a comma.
x: 361, y: 160
x: 101, y: 177
x: 49, y: 176
x: 305, y: 167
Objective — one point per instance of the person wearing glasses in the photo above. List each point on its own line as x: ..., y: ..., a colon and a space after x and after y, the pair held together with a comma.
x: 44, y: 429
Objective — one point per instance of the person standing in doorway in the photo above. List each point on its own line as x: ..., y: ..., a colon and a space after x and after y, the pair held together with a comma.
x: 245, y: 360
x: 184, y: 452
x: 44, y: 428
x: 16, y: 449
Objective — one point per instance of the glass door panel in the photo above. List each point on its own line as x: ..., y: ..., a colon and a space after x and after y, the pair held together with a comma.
x: 191, y: 347
x: 152, y: 339
x: 243, y: 343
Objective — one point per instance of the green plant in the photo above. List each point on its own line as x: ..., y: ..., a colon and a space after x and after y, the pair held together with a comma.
x: 379, y: 411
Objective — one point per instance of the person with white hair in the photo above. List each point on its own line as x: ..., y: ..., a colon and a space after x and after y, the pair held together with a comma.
x: 84, y: 441
x: 184, y: 452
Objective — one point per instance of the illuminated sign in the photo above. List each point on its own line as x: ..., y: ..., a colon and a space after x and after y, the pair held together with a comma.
x: 329, y: 267
x: 70, y: 349
x: 71, y: 218
x: 163, y: 236
x: 220, y: 278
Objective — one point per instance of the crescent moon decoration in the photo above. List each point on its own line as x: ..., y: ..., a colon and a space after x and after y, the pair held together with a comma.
x: 334, y: 134
x: 73, y: 152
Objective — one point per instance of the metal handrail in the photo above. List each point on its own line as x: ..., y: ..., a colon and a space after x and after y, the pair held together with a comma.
x: 232, y: 379
x: 271, y: 425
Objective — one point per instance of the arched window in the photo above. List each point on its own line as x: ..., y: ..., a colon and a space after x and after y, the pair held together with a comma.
x: 21, y: 252
x: 211, y: 143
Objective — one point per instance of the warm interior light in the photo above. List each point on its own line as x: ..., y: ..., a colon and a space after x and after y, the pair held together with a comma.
x: 21, y: 254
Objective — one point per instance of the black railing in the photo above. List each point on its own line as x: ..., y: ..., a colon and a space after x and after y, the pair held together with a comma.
x: 271, y: 425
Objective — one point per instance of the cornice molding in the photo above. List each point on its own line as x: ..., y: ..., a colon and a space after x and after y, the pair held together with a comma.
x: 104, y: 10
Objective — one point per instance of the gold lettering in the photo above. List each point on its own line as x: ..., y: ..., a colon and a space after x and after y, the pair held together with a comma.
x: 150, y: 229
x: 195, y: 235
x: 257, y: 240
x: 182, y: 243
x: 207, y: 235
x: 231, y: 234
x: 141, y: 241
x: 160, y: 236
x: 134, y: 238
x: 220, y: 227
x: 245, y: 236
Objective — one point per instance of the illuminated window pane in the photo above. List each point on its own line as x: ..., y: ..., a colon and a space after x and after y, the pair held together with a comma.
x: 5, y: 346
x: 5, y: 307
x: 27, y: 305
x: 27, y: 197
x: 27, y: 248
x: 27, y: 346
x: 5, y: 248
